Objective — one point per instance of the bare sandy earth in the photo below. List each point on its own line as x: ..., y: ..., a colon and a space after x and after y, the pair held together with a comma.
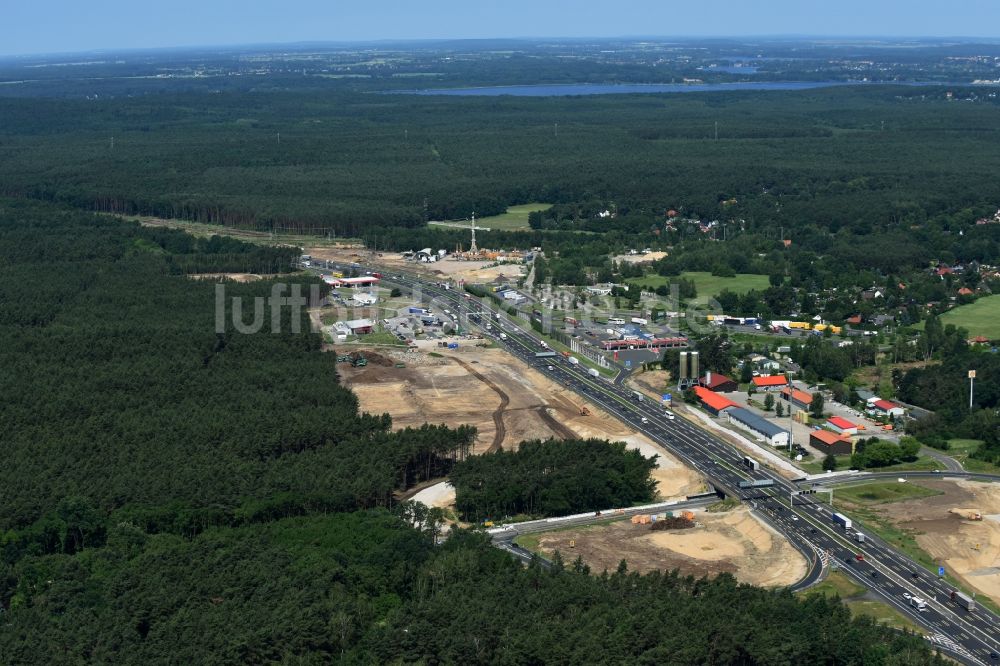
x: 734, y: 542
x: 640, y: 258
x: 446, y: 390
x: 969, y: 549
x: 440, y: 495
x: 471, y: 271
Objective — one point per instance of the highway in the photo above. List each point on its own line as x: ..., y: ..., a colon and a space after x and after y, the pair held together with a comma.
x: 970, y: 637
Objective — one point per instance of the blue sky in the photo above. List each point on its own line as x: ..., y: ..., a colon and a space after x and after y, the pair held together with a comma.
x: 53, y: 26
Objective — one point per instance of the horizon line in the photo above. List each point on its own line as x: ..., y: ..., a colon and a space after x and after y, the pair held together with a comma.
x: 803, y: 37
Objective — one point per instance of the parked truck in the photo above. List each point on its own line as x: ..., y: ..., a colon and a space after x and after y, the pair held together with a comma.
x: 918, y: 603
x: 964, y: 600
x: 640, y: 321
x: 842, y: 520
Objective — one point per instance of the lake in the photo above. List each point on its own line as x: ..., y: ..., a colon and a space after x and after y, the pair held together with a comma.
x: 561, y: 90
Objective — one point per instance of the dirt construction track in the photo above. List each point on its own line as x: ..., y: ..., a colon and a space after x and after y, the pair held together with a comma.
x: 507, y: 400
x: 734, y: 542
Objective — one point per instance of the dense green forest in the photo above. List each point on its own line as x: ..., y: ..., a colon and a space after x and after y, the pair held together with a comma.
x: 863, y: 181
x: 552, y: 478
x: 172, y: 494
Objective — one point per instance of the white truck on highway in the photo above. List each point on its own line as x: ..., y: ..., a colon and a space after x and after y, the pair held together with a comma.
x: 918, y: 603
x: 842, y: 520
x: 859, y: 537
x: 964, y: 600
x: 503, y: 336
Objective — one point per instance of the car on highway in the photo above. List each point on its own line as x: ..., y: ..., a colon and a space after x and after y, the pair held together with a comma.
x: 906, y: 595
x: 645, y: 420
x: 859, y: 557
x: 669, y: 415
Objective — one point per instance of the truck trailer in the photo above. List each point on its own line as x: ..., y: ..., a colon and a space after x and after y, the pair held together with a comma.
x: 756, y: 483
x: 964, y: 600
x: 842, y: 520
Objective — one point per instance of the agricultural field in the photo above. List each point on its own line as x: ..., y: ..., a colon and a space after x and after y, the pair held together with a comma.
x: 515, y: 218
x: 709, y: 285
x: 979, y: 318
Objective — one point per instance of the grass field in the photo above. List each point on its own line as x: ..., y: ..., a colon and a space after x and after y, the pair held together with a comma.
x: 515, y: 218
x: 709, y: 285
x: 839, y: 584
x: 882, y: 492
x: 836, y: 584
x: 960, y: 450
x: 980, y: 318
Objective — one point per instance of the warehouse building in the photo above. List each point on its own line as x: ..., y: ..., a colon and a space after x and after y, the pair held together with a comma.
x: 770, y: 383
x: 830, y: 443
x: 719, y: 383
x: 712, y: 401
x: 800, y: 399
x: 841, y: 426
x: 760, y: 427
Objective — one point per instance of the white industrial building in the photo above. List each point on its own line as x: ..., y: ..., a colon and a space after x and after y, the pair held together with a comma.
x: 758, y: 426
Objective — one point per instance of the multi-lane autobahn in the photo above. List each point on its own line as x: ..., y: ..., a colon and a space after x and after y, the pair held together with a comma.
x: 971, y: 637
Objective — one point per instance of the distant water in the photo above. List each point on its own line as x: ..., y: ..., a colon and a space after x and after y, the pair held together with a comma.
x: 561, y: 90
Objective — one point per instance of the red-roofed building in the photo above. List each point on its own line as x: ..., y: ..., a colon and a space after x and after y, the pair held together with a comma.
x: 712, y: 401
x: 943, y: 270
x: 965, y: 291
x: 798, y: 398
x: 887, y: 407
x: 771, y: 383
x: 830, y: 443
x: 719, y: 382
x: 854, y: 320
x: 842, y: 426
x: 979, y: 340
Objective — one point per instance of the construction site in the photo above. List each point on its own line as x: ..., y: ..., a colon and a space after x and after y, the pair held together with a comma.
x: 482, y: 266
x: 507, y: 400
x: 733, y: 542
x: 958, y: 526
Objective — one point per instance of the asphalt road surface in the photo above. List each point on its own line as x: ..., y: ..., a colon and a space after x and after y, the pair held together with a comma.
x: 970, y: 637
